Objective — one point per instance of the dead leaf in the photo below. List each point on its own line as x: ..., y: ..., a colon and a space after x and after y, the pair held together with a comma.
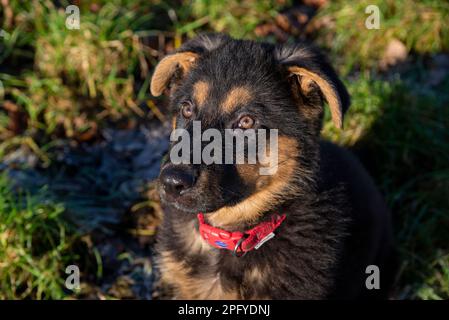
x: 395, y: 53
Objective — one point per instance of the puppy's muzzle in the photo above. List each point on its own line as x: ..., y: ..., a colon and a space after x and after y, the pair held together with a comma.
x: 177, y: 180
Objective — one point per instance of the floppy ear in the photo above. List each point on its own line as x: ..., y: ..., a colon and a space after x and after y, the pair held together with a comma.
x: 167, y: 68
x: 314, y: 72
x: 183, y: 60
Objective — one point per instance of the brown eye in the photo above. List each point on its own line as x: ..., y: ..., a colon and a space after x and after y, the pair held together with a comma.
x: 246, y: 122
x: 186, y: 110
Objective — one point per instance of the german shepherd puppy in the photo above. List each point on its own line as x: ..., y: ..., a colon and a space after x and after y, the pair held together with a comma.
x: 329, y: 220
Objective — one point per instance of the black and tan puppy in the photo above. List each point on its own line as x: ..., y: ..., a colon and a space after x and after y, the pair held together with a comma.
x: 336, y: 222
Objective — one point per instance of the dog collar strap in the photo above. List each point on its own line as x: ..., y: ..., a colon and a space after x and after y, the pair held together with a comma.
x: 239, y: 242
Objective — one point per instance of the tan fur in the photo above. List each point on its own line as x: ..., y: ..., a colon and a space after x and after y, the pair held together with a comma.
x: 176, y: 273
x: 236, y: 96
x: 249, y: 172
x: 193, y: 240
x: 206, y: 286
x: 273, y: 189
x: 166, y: 69
x: 254, y: 275
x: 310, y: 112
x: 200, y: 92
x: 329, y: 93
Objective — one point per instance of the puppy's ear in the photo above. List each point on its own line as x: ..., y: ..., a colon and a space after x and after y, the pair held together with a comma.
x: 313, y: 72
x: 168, y: 67
x: 178, y: 64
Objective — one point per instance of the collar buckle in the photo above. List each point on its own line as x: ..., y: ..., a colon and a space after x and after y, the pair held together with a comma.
x: 239, y: 246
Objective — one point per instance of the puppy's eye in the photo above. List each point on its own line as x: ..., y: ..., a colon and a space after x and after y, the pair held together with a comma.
x: 186, y: 109
x: 246, y: 122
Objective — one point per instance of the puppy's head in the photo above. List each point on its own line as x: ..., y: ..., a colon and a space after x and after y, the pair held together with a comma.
x: 226, y: 84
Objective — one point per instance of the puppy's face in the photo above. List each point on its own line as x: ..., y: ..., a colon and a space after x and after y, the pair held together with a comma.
x: 223, y: 84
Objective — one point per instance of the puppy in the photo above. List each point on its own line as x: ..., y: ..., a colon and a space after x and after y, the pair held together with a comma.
x: 307, y: 231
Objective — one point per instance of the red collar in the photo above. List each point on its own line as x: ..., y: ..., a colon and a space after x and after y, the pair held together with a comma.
x: 239, y: 242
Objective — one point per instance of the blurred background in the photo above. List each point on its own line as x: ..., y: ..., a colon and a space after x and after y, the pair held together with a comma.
x: 81, y: 138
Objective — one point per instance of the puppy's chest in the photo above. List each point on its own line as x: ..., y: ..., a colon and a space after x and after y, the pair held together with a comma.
x: 207, y: 273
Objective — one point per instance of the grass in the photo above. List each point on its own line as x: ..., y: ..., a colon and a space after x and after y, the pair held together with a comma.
x: 398, y: 122
x: 36, y: 244
x: 76, y: 77
x: 420, y: 25
x: 237, y: 18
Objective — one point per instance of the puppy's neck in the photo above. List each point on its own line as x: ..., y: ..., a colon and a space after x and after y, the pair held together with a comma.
x: 237, y: 219
x: 259, y: 206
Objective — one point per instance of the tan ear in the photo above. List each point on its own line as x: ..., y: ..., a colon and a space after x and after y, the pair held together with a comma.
x: 327, y: 89
x: 167, y: 67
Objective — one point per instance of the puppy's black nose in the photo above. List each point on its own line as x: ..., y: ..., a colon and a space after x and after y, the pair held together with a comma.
x: 177, y: 180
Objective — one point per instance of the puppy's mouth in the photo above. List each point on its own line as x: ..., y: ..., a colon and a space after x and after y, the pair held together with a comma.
x: 185, y: 206
x: 178, y: 206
